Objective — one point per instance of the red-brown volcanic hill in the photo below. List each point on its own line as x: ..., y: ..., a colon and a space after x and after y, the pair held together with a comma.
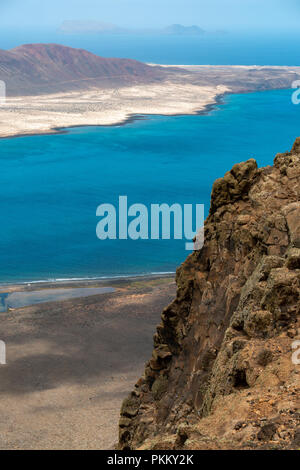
x: 46, y: 68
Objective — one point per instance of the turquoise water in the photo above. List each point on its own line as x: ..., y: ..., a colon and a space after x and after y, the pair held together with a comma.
x: 51, y: 185
x: 24, y: 299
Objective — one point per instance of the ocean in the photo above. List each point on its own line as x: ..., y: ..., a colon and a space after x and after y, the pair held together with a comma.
x: 239, y: 48
x: 51, y: 185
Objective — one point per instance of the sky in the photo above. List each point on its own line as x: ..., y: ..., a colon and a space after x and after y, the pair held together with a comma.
x: 230, y: 15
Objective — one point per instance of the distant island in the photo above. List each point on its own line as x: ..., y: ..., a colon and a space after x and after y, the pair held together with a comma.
x: 99, y: 27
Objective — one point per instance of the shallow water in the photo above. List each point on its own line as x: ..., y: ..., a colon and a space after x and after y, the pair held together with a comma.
x: 51, y: 185
x: 24, y: 299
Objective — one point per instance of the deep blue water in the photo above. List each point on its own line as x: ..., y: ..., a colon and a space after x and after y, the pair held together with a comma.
x: 256, y: 48
x: 51, y: 185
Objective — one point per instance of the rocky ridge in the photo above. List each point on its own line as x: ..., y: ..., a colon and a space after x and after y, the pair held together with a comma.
x: 37, y: 69
x: 221, y: 375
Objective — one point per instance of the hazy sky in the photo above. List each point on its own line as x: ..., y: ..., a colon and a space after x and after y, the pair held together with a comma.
x: 210, y: 14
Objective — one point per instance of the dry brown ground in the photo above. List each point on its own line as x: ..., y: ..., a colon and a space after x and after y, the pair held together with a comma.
x: 71, y: 363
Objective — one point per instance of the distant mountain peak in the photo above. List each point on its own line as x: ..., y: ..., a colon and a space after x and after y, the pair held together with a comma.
x: 184, y: 30
x: 100, y: 27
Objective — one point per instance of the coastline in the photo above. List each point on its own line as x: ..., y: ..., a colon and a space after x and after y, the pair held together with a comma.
x: 64, y: 355
x: 218, y: 100
x: 214, y: 99
x: 195, y: 92
x: 72, y: 361
x: 113, y: 281
x: 65, y: 129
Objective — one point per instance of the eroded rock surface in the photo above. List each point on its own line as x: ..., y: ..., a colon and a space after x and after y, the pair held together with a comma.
x: 221, y: 374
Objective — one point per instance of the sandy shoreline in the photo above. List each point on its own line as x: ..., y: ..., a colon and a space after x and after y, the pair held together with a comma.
x: 118, y: 281
x: 52, y: 114
x: 215, y: 100
x: 195, y: 90
x: 127, y: 120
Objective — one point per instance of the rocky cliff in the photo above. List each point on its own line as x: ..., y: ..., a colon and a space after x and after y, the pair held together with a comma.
x: 222, y: 373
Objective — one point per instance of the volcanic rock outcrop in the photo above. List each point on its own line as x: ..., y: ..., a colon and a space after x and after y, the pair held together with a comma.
x: 225, y: 373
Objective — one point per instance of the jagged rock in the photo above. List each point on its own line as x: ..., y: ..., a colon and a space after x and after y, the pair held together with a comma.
x: 130, y: 406
x: 223, y: 350
x: 267, y: 432
x: 293, y: 258
x: 292, y: 215
x: 296, y: 146
x: 159, y: 387
x: 296, y: 441
x: 264, y: 357
x: 234, y: 185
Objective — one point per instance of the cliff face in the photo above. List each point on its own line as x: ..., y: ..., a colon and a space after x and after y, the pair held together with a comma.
x: 221, y: 374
